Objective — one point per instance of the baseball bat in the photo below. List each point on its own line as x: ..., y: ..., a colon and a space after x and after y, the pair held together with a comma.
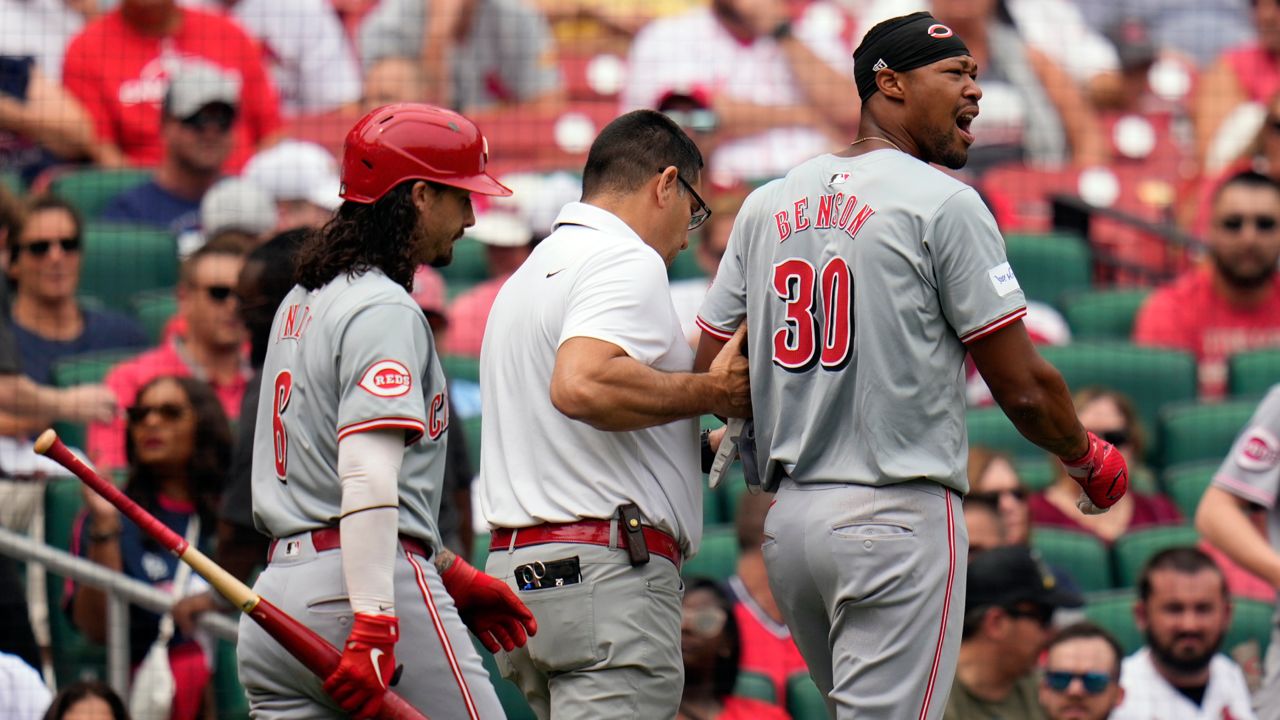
x: 299, y: 640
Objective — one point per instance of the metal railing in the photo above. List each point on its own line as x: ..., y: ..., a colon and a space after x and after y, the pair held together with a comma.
x: 122, y: 591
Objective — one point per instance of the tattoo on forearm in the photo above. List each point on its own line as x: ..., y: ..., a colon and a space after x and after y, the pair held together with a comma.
x: 444, y: 560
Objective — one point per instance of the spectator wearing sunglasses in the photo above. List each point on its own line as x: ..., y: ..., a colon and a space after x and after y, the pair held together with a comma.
x: 1184, y: 612
x: 994, y: 480
x: 178, y: 445
x: 49, y: 322
x: 1230, y: 303
x: 196, y: 120
x: 1111, y: 416
x: 1010, y: 601
x: 211, y: 345
x: 1080, y: 678
x: 712, y: 651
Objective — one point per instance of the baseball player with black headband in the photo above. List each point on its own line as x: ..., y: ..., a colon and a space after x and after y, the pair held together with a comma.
x: 866, y: 276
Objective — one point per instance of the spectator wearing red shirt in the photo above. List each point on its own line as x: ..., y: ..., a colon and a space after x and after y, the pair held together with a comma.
x: 1248, y: 73
x: 211, y: 348
x: 1232, y: 303
x: 767, y: 647
x: 508, y: 240
x: 120, y: 66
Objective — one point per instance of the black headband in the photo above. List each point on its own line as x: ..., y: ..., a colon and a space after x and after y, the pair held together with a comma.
x: 903, y: 43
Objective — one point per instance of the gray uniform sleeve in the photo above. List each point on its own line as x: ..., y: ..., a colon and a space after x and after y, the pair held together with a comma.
x: 725, y: 305
x: 1252, y: 470
x: 976, y: 287
x: 383, y: 356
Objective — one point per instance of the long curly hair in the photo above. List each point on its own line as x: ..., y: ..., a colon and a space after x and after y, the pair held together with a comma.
x: 210, y: 456
x: 361, y: 237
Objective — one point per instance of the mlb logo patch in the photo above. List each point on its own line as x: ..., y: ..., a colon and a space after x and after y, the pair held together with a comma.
x: 838, y: 179
x: 292, y: 548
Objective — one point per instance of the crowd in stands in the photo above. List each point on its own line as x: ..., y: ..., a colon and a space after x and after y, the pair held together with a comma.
x: 160, y: 161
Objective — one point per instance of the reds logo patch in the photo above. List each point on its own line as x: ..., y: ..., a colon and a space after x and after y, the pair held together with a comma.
x: 1261, y: 451
x: 387, y: 378
x: 938, y: 30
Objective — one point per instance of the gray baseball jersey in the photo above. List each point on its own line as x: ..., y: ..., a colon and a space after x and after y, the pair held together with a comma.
x: 353, y: 356
x: 862, y: 279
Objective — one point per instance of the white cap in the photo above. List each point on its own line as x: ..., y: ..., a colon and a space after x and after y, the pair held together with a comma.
x: 538, y: 197
x: 195, y: 84
x: 295, y: 170
x: 501, y: 228
x: 238, y: 204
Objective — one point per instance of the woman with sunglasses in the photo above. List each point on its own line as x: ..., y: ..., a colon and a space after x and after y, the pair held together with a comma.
x: 712, y: 653
x: 1111, y: 416
x: 178, y: 446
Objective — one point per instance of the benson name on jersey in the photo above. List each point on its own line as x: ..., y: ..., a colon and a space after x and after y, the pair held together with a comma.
x: 834, y: 210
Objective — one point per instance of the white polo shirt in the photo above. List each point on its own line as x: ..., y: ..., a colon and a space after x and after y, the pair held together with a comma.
x: 1148, y: 696
x: 593, y: 277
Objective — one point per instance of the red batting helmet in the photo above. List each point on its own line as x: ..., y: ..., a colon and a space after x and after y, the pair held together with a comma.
x: 414, y: 141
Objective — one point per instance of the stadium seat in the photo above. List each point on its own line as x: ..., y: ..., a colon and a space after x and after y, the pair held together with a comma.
x: 469, y: 265
x: 1192, y: 432
x: 1036, y: 473
x: 1114, y: 612
x: 80, y: 369
x: 229, y: 694
x: 686, y: 265
x: 1132, y: 550
x: 91, y: 189
x: 461, y: 367
x: 1081, y: 555
x: 120, y: 261
x: 1104, y: 314
x: 804, y: 699
x: 471, y: 426
x: 732, y: 488
x: 480, y: 549
x: 74, y: 657
x: 756, y: 686
x: 1250, y: 374
x: 1186, y: 484
x: 1152, y: 377
x: 154, y: 309
x: 1049, y: 267
x: 1250, y: 620
x: 712, y: 505
x: 514, y: 705
x: 717, y: 556
x: 989, y: 427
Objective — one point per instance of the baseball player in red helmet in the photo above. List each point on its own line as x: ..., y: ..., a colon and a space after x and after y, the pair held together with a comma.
x: 349, y: 448
x: 866, y: 275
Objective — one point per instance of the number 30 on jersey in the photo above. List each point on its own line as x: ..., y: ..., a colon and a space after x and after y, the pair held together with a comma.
x: 808, y: 337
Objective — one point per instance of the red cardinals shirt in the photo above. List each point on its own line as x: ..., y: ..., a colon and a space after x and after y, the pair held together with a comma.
x: 767, y: 647
x: 121, y: 76
x: 1189, y: 315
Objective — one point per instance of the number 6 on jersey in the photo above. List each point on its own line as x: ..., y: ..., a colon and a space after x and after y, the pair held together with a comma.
x: 279, y: 435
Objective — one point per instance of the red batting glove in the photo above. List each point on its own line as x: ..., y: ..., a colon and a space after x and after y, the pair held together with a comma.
x: 489, y: 607
x: 1102, y: 473
x: 368, y: 663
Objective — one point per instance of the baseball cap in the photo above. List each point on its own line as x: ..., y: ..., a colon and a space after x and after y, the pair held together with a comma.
x: 501, y: 228
x: 236, y: 203
x: 1133, y: 43
x: 428, y: 290
x: 1002, y: 577
x: 196, y: 84
x: 296, y: 170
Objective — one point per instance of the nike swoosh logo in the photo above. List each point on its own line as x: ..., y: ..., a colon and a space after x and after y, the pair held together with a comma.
x: 374, y: 655
x: 556, y: 272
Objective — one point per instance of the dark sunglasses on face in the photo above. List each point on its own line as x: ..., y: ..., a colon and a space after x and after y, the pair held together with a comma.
x: 1236, y: 223
x: 994, y: 496
x: 1043, y: 615
x: 702, y: 212
x: 219, y: 293
x: 1094, y: 682
x: 217, y: 117
x: 40, y: 248
x: 1115, y: 437
x: 169, y: 412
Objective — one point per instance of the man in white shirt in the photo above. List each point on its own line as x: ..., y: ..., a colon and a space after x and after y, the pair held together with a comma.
x: 589, y: 463
x: 1184, y: 610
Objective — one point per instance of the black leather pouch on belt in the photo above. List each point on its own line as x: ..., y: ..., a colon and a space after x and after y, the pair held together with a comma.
x: 632, y: 525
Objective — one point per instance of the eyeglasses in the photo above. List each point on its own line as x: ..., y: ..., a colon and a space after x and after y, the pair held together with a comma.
x: 219, y: 293
x: 706, y: 622
x: 168, y: 412
x: 1236, y: 223
x: 215, y: 116
x: 1115, y: 437
x: 1042, y: 614
x: 1094, y: 682
x: 995, y: 496
x: 702, y: 212
x: 40, y: 248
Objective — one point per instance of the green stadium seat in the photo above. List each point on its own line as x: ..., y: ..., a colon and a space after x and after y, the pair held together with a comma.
x: 1151, y: 377
x: 1186, y: 484
x: 514, y: 705
x: 712, y: 505
x: 1191, y: 432
x: 74, y: 656
x: 480, y: 549
x: 1050, y: 267
x: 733, y: 487
x: 229, y: 694
x: 1252, y: 373
x: 154, y: 309
x: 756, y: 686
x: 91, y: 189
x: 471, y: 426
x: 1080, y: 554
x: 120, y: 261
x: 80, y: 369
x: 1114, y: 612
x: 1132, y: 550
x: 717, y: 557
x: 989, y: 427
x: 461, y: 367
x: 1036, y: 473
x: 1250, y: 620
x: 469, y: 265
x: 1104, y: 314
x: 804, y: 699
x: 686, y: 265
